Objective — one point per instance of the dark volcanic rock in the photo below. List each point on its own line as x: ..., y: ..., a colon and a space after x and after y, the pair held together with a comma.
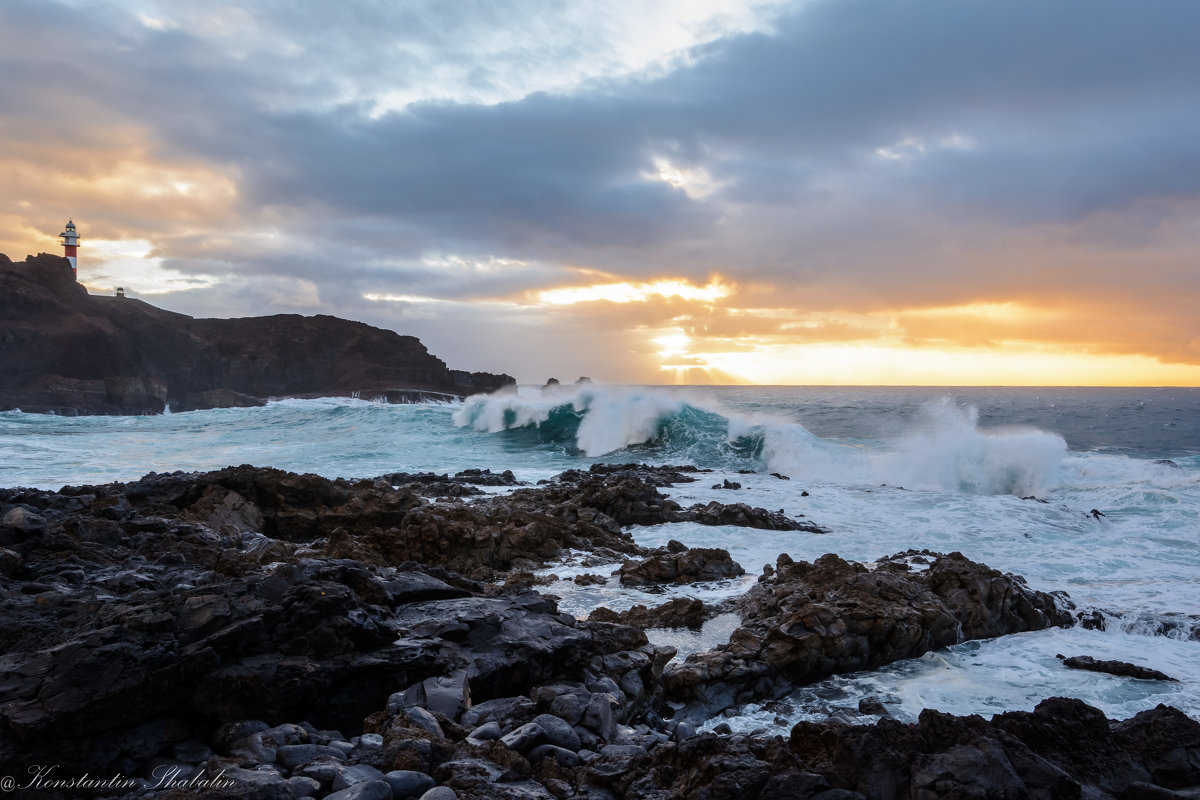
x: 1119, y: 668
x: 687, y: 566
x: 140, y: 615
x: 461, y: 484
x: 661, y: 475
x: 212, y: 625
x: 682, y: 612
x: 652, y: 508
x: 371, y: 522
x: 69, y: 352
x: 745, y: 516
x: 1062, y: 749
x: 180, y: 601
x: 803, y: 622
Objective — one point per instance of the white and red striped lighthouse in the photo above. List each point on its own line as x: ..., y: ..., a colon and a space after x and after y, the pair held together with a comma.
x: 70, y: 241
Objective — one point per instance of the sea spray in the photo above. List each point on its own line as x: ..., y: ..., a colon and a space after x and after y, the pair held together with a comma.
x: 944, y: 449
x: 599, y: 421
x: 948, y: 450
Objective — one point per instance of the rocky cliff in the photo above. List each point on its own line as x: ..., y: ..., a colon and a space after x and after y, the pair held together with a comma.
x: 65, y: 351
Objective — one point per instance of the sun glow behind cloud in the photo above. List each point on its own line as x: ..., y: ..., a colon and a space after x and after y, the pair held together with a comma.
x: 635, y: 292
x: 978, y: 343
x: 570, y: 188
x: 867, y: 365
x: 695, y: 182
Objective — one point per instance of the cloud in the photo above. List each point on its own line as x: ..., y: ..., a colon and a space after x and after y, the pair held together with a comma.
x: 842, y: 163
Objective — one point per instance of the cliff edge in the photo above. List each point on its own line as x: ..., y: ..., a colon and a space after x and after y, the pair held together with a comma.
x: 65, y: 351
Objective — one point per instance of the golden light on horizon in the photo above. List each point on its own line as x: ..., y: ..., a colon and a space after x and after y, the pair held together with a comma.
x: 626, y: 292
x: 899, y: 365
x: 978, y: 343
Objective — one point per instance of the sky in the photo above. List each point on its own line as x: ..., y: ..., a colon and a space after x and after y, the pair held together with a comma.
x: 950, y: 192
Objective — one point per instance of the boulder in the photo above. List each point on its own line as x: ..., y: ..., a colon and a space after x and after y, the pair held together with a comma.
x: 689, y: 566
x: 682, y: 612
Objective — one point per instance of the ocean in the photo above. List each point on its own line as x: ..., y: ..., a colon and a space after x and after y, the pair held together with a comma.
x: 1092, y: 492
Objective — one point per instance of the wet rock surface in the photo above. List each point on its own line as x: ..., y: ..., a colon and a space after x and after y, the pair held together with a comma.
x: 1119, y: 668
x: 805, y: 621
x: 1062, y: 749
x: 251, y: 633
x: 678, y: 564
x: 682, y: 612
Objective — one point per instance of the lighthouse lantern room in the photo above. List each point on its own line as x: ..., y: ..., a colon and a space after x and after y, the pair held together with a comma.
x: 70, y: 242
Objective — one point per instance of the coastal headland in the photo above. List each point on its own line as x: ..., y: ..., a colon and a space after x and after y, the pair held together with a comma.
x: 255, y: 633
x: 65, y: 351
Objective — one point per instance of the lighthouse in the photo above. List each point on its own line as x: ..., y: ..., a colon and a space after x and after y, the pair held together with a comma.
x: 70, y: 241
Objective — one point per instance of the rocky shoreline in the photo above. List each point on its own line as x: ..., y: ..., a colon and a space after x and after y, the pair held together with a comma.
x: 64, y: 351
x: 253, y: 633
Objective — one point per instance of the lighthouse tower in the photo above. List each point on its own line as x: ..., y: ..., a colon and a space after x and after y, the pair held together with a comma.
x: 70, y: 241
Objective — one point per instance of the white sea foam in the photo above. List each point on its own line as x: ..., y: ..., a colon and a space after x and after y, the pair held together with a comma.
x: 613, y: 423
x: 1011, y: 673
x: 492, y: 413
x: 1137, y: 560
x: 948, y: 450
x: 610, y: 419
x: 945, y: 449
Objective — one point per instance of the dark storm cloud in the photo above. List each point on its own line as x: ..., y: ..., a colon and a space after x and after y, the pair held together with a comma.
x: 862, y: 155
x: 1071, y: 106
x: 1067, y: 108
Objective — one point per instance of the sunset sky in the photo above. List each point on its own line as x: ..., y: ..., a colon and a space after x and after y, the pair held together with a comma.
x: 817, y: 191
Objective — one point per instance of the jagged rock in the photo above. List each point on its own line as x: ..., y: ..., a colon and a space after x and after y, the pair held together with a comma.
x: 745, y: 516
x: 1061, y: 749
x: 148, y: 624
x: 461, y: 484
x: 689, y: 566
x: 682, y: 612
x: 525, y: 578
x: 806, y: 621
x: 448, y: 695
x: 1120, y: 668
x: 656, y: 475
x: 236, y: 625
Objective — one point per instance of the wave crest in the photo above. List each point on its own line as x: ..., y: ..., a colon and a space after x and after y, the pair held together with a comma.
x: 948, y: 450
x: 945, y: 450
x: 598, y: 422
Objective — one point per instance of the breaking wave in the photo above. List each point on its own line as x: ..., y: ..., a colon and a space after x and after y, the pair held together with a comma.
x: 945, y: 450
